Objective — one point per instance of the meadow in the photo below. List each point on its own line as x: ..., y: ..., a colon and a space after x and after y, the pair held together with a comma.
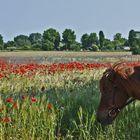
x: 58, y: 102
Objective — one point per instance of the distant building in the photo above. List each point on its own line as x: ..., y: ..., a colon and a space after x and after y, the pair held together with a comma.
x: 126, y: 48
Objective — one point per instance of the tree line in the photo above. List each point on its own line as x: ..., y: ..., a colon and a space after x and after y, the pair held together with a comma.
x: 51, y: 40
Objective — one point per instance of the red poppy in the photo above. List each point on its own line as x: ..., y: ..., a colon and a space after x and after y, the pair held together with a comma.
x: 10, y: 100
x: 50, y: 106
x: 6, y: 119
x: 23, y: 97
x: 34, y: 99
x: 2, y: 109
x: 15, y: 105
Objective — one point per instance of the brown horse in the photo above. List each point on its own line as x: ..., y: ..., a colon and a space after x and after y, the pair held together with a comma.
x: 119, y: 86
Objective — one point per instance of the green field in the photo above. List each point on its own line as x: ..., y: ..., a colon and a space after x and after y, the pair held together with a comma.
x: 61, y: 105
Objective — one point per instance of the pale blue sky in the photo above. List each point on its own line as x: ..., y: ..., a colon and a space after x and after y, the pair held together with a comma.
x: 83, y: 16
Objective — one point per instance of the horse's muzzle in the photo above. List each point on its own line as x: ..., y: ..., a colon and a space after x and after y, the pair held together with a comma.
x: 104, y: 120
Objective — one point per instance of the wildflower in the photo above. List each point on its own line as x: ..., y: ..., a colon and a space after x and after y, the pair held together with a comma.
x: 34, y: 99
x: 10, y: 100
x: 50, y: 106
x: 14, y: 126
x: 15, y: 105
x: 2, y: 109
x: 23, y: 97
x: 6, y: 119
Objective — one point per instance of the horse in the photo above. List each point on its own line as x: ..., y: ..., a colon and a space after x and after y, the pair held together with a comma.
x: 119, y: 86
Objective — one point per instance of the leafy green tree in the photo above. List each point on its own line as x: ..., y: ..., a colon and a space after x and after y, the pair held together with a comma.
x: 76, y: 46
x: 68, y: 38
x: 118, y: 41
x: 135, y: 49
x: 36, y: 40
x: 134, y: 42
x: 22, y: 42
x: 48, y: 45
x: 93, y: 39
x: 9, y: 44
x: 85, y: 41
x: 51, y: 36
x: 1, y: 42
x: 108, y: 45
x: 132, y: 38
x: 94, y: 48
x: 101, y: 39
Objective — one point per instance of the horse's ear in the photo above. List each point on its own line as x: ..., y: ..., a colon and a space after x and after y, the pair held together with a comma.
x: 124, y: 70
x: 110, y: 74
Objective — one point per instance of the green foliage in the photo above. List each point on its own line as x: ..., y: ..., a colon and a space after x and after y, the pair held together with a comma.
x: 36, y: 40
x: 118, y: 41
x: 135, y: 49
x: 131, y: 37
x: 9, y: 44
x: 22, y: 42
x: 93, y: 39
x: 51, y: 40
x: 1, y: 42
x: 75, y: 46
x: 108, y: 45
x: 68, y: 38
x: 48, y: 45
x: 88, y: 41
x: 94, y: 48
x: 101, y: 39
x: 85, y: 41
x: 51, y: 37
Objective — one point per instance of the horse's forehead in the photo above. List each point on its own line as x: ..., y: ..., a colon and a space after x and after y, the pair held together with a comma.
x: 105, y: 81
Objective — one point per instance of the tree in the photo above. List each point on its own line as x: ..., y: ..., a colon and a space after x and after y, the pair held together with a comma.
x: 1, y: 42
x: 51, y: 36
x: 93, y: 39
x: 22, y: 42
x: 68, y: 38
x: 108, y: 45
x: 118, y: 41
x: 101, y: 39
x: 94, y: 48
x: 76, y: 46
x: 134, y: 42
x: 85, y: 41
x: 132, y: 38
x: 9, y: 44
x: 48, y: 45
x: 36, y: 40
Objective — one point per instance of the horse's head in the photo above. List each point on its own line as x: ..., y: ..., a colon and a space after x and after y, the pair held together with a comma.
x: 113, y: 93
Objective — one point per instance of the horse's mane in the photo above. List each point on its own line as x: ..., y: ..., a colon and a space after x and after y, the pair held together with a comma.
x: 123, y: 69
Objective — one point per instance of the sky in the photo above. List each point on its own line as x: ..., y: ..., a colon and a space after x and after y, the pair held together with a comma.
x: 83, y: 16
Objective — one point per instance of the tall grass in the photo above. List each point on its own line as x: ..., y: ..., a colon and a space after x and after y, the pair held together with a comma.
x: 61, y: 106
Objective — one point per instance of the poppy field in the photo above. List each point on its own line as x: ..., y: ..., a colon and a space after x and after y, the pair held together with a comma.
x: 58, y: 102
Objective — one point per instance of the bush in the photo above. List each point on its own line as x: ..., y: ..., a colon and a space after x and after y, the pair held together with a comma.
x: 135, y: 49
x: 94, y: 48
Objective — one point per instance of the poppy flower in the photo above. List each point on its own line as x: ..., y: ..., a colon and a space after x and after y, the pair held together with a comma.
x: 50, y: 106
x: 23, y: 97
x: 15, y: 105
x: 6, y: 119
x: 2, y: 109
x: 10, y: 100
x: 34, y: 99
